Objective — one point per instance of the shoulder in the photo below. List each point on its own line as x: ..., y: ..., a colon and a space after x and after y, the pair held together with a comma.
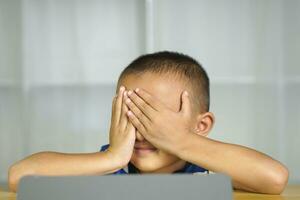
x: 104, y: 147
x: 194, y: 169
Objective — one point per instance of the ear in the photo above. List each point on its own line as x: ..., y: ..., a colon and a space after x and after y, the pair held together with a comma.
x: 204, y: 123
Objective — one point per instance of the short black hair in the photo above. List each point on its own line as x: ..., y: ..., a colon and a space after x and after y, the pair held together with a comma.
x: 178, y: 64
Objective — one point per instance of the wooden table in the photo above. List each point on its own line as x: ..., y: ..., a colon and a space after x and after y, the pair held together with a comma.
x: 292, y: 192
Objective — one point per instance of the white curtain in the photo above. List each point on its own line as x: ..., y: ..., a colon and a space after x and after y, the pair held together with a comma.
x: 60, y: 60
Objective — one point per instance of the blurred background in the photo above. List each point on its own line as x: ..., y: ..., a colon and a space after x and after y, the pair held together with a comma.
x: 60, y: 61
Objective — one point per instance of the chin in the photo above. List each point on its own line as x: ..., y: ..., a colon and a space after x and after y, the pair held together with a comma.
x: 145, y: 166
x: 152, y: 162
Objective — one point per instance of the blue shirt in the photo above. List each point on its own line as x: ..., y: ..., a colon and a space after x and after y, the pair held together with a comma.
x: 189, y: 168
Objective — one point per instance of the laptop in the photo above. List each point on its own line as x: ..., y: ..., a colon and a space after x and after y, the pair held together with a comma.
x: 123, y: 187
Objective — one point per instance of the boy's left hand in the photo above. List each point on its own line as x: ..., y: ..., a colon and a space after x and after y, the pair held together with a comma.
x: 161, y: 126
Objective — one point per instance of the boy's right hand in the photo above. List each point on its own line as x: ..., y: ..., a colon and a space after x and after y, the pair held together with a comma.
x: 122, y: 132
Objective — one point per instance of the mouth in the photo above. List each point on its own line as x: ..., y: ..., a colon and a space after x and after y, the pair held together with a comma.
x: 144, y: 150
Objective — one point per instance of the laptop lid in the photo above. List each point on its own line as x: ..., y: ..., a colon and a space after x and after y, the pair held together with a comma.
x: 123, y: 187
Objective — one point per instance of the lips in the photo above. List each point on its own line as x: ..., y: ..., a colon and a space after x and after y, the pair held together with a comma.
x: 143, y: 149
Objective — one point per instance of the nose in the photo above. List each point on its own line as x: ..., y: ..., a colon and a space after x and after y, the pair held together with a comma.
x: 139, y: 136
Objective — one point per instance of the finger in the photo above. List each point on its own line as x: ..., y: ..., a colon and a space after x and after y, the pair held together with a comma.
x: 141, y: 105
x: 149, y: 99
x: 137, y: 112
x: 185, y: 103
x: 123, y: 117
x: 130, y: 126
x: 118, y: 105
x: 136, y: 123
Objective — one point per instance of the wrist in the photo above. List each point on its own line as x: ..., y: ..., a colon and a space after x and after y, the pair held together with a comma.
x: 115, y: 159
x: 185, y: 146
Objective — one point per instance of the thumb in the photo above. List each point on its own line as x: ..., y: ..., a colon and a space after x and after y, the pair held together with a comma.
x: 185, y: 103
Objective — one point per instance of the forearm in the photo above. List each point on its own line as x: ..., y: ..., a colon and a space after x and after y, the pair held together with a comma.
x: 249, y: 169
x: 57, y: 164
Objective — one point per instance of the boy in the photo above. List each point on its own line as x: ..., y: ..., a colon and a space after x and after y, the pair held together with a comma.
x: 160, y: 120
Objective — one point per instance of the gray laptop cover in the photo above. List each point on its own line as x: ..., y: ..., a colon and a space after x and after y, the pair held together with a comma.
x: 123, y: 187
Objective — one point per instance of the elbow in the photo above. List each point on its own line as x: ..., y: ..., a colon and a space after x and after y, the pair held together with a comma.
x: 13, y: 178
x: 16, y: 172
x: 278, y: 181
x: 20, y: 169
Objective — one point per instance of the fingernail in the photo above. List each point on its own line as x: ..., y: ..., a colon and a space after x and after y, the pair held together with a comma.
x: 129, y: 92
x: 186, y: 93
x: 122, y: 88
x: 137, y: 90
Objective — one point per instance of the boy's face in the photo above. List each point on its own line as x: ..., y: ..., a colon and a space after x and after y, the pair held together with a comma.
x: 168, y: 90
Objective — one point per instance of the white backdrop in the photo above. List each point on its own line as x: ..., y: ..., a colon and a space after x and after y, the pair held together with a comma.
x: 60, y: 60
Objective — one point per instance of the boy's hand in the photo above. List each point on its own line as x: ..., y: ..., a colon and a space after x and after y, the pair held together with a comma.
x: 161, y: 126
x: 122, y: 132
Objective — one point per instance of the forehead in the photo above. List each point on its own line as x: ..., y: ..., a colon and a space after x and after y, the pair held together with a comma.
x: 165, y: 88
